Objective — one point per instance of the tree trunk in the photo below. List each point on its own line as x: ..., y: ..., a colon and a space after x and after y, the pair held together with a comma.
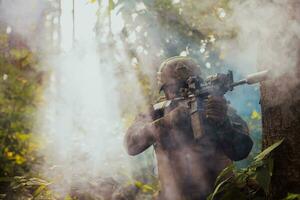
x: 280, y: 103
x: 282, y: 121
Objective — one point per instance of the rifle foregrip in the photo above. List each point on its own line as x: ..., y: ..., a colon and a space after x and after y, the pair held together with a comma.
x: 197, y: 119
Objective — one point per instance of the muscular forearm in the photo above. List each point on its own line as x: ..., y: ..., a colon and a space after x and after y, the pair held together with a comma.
x: 147, y: 129
x: 142, y: 134
x: 138, y: 139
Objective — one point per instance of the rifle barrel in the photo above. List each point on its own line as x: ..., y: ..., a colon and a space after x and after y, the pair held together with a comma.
x: 253, y: 78
x: 241, y: 82
x: 257, y: 77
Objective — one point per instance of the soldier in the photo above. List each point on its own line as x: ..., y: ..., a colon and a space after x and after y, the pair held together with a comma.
x: 188, y: 168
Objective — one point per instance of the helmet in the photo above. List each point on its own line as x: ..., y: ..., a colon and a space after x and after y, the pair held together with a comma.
x: 177, y: 70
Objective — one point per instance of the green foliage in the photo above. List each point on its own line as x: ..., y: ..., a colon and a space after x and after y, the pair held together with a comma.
x: 146, y: 188
x: 166, y: 33
x: 21, y: 187
x: 19, y: 90
x: 247, y: 183
x: 291, y: 196
x: 267, y: 151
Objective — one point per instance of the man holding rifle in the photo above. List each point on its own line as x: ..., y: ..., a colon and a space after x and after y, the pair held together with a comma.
x: 187, y: 165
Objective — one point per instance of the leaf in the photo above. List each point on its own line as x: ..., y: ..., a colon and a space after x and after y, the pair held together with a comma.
x: 37, y: 181
x: 18, y: 53
x: 267, y: 151
x: 255, y: 115
x: 240, y: 179
x: 144, y: 187
x: 22, y: 136
x: 225, y: 172
x: 111, y: 5
x: 263, y: 178
x: 38, y: 191
x: 148, y: 188
x: 138, y: 184
x: 92, y: 1
x: 217, y: 189
x: 19, y: 159
x: 292, y: 196
x: 68, y: 197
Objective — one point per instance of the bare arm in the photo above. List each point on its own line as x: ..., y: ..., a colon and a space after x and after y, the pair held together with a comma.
x: 150, y: 127
x: 142, y: 133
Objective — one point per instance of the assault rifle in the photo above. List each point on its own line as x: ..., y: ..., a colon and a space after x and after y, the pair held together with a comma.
x: 198, y: 90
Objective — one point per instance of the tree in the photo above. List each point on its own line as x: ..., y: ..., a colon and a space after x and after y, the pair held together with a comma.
x: 280, y: 103
x: 281, y: 119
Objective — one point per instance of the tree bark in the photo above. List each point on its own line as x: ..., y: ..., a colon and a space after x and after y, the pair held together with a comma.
x: 280, y: 103
x: 282, y: 121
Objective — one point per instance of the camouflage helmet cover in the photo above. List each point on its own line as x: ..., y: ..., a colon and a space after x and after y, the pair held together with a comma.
x: 177, y: 69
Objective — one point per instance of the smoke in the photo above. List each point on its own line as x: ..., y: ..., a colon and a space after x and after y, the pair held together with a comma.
x: 267, y: 33
x: 267, y: 37
x: 81, y: 119
x: 24, y: 18
x: 252, y: 35
x: 82, y: 114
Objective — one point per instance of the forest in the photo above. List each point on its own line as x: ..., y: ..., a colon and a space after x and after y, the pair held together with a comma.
x: 74, y: 74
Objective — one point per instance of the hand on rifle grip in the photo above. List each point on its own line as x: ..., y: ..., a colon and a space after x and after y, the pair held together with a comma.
x: 215, y: 109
